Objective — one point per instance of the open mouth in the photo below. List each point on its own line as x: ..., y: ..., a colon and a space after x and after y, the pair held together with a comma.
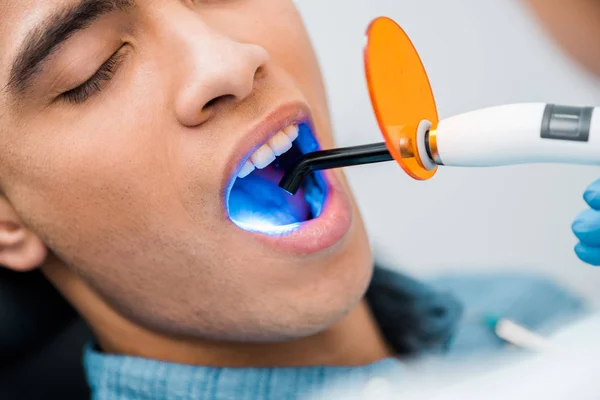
x: 256, y: 203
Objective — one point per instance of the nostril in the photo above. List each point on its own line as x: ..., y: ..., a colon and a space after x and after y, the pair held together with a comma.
x: 211, y: 103
x: 261, y: 71
x: 221, y: 99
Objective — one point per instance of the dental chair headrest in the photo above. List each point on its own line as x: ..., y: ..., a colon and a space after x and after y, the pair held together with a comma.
x: 32, y: 314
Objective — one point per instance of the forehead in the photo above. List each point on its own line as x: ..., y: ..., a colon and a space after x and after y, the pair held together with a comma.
x: 17, y: 18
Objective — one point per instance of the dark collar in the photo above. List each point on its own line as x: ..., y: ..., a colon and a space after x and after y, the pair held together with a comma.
x: 414, y: 317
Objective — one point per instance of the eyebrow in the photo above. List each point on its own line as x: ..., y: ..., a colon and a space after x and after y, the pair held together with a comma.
x: 43, y: 40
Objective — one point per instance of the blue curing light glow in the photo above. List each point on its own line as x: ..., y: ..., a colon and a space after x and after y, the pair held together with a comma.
x: 256, y: 203
x: 266, y: 227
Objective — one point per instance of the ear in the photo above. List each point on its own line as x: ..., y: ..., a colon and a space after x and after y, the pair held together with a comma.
x: 20, y: 249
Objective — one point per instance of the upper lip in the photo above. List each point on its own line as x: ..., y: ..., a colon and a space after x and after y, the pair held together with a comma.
x: 292, y: 113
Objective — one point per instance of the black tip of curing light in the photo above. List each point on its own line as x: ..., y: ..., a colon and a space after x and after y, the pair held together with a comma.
x: 335, y: 158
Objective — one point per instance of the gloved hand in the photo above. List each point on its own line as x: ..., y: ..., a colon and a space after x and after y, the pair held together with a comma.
x: 587, y: 227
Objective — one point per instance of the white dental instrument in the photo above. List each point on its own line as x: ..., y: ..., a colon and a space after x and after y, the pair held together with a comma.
x: 497, y: 136
x: 513, y: 134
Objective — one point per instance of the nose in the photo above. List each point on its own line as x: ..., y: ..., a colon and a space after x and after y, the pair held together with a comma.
x: 215, y: 68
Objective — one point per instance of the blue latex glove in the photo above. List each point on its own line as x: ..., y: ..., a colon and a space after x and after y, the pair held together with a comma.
x: 587, y: 227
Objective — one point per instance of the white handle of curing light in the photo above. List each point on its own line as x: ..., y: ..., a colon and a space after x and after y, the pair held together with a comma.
x: 519, y: 134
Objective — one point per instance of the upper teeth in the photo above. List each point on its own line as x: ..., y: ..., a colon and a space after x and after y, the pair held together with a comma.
x: 265, y: 154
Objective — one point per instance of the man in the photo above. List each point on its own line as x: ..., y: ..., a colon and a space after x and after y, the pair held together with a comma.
x: 138, y: 173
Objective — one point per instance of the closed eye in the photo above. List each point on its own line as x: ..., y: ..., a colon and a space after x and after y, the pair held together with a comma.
x: 96, y: 83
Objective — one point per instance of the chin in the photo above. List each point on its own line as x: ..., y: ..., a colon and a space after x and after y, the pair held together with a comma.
x: 328, y: 288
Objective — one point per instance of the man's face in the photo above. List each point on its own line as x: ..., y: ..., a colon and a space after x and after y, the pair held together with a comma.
x: 125, y: 125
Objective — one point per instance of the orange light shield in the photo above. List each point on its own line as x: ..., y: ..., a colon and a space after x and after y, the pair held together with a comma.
x: 400, y: 93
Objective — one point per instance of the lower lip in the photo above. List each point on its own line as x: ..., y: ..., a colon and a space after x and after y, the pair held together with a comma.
x: 318, y: 234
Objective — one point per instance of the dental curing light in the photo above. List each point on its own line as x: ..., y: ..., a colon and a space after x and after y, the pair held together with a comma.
x: 335, y: 158
x: 406, y: 112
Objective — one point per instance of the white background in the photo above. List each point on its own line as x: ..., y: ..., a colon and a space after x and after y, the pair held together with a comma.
x: 478, y: 53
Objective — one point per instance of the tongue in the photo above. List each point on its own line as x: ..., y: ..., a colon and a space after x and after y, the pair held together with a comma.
x: 258, y: 199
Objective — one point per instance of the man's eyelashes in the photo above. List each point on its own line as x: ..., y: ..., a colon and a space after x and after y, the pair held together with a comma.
x: 96, y: 83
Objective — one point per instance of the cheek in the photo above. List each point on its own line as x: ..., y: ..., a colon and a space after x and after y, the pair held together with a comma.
x: 100, y: 174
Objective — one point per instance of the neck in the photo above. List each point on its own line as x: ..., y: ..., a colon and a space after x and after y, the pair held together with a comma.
x: 354, y: 341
